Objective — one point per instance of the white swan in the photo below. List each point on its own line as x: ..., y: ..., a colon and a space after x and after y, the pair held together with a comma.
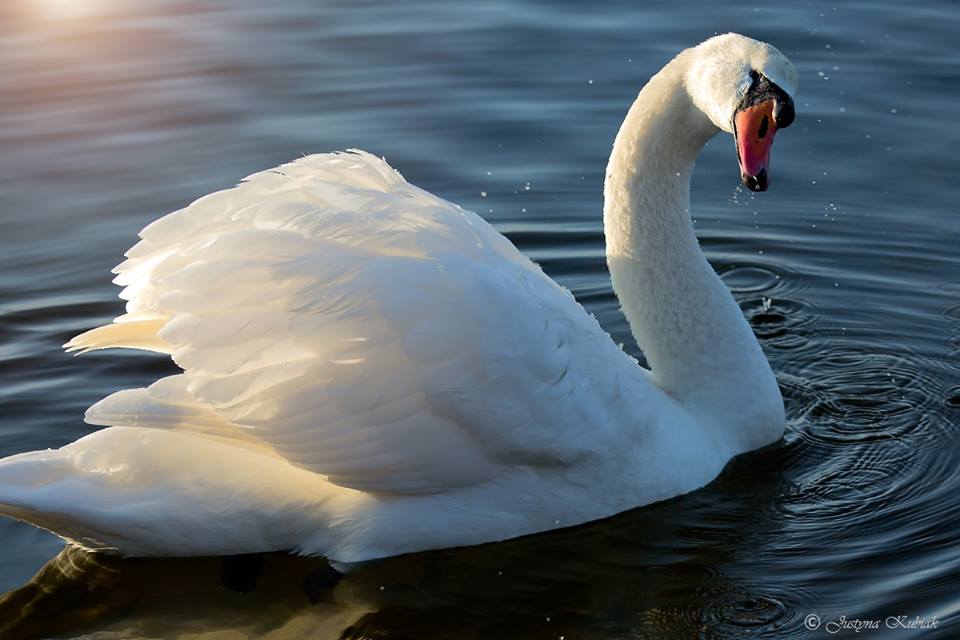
x: 369, y: 370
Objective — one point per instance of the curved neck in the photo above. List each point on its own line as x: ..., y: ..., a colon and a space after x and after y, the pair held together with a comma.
x: 647, y: 189
x: 698, y: 344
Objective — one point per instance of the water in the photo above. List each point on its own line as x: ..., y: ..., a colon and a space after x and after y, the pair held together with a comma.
x: 848, y: 269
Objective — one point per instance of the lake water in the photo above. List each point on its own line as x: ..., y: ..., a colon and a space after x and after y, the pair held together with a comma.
x: 114, y: 113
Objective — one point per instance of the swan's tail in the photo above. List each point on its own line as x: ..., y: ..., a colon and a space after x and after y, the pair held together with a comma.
x: 28, y: 492
x: 155, y: 492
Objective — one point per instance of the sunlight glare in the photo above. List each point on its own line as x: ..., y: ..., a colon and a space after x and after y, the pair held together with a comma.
x: 72, y: 9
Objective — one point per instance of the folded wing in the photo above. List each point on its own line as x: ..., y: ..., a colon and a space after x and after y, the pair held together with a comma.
x: 363, y: 329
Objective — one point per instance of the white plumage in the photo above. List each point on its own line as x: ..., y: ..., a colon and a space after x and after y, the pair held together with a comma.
x: 363, y: 329
x: 367, y: 370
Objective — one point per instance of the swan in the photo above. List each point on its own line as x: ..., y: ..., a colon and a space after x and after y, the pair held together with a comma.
x: 369, y: 370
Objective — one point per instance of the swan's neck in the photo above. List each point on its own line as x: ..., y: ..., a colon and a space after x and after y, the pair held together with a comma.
x: 698, y: 344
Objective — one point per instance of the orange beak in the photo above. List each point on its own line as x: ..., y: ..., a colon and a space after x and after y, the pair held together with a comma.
x: 754, y: 128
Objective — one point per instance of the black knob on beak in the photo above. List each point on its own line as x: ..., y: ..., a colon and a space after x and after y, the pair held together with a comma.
x: 784, y: 111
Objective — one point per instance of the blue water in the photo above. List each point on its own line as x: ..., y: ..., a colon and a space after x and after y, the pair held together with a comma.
x: 114, y: 113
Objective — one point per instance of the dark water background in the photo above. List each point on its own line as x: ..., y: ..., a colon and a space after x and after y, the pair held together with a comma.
x: 115, y: 112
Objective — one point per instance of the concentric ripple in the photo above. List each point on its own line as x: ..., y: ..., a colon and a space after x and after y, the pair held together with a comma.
x: 750, y: 278
x: 780, y: 323
x: 738, y: 613
x: 721, y: 610
x: 752, y: 611
x: 870, y: 397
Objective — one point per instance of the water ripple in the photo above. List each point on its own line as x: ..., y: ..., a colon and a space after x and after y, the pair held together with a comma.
x: 749, y: 278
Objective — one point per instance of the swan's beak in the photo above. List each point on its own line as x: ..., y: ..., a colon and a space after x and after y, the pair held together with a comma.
x: 754, y: 128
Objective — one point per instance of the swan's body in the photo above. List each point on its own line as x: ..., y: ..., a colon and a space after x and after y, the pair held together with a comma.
x: 370, y: 370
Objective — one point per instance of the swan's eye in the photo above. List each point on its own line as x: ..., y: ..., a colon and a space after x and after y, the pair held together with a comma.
x: 754, y: 81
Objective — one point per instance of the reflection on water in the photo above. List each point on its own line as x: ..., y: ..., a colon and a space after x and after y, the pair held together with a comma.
x: 114, y: 113
x: 590, y: 581
x: 252, y: 597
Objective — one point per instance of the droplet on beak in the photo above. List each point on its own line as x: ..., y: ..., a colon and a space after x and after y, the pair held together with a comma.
x: 757, y: 182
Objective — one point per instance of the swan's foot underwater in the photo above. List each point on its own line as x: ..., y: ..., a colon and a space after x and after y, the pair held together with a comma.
x: 241, y: 573
x: 318, y: 586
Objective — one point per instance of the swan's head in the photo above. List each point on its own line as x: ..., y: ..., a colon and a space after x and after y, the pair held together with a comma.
x: 746, y: 88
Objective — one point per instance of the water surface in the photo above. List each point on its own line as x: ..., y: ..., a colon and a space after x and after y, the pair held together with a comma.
x: 114, y: 113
